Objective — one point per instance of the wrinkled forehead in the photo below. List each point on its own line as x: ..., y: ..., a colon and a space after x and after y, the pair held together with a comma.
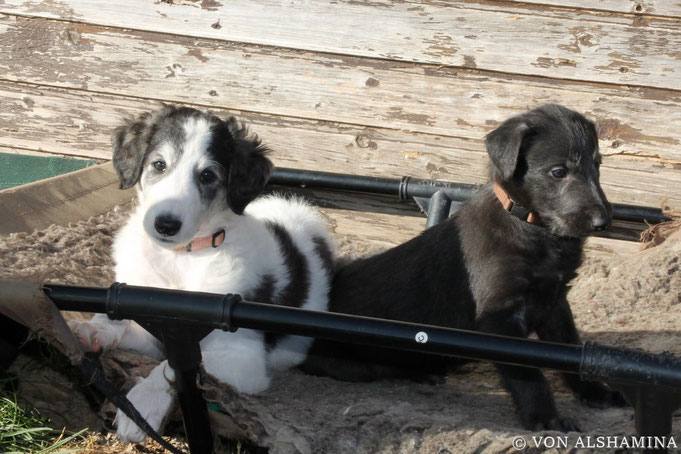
x: 183, y: 137
x: 574, y: 142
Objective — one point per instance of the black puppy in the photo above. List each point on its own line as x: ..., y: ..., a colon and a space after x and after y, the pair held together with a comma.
x: 500, y: 265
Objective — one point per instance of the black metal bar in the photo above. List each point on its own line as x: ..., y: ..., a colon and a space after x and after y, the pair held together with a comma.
x: 459, y: 192
x: 652, y: 383
x: 616, y: 365
x: 404, y: 188
x: 214, y: 311
x: 194, y: 412
x: 438, y: 208
x: 328, y: 180
x: 182, y: 347
x: 179, y: 328
x: 407, y: 336
x: 653, y: 416
x: 147, y: 304
x: 654, y: 407
x: 80, y: 299
x: 407, y: 187
x: 636, y: 213
x: 180, y: 320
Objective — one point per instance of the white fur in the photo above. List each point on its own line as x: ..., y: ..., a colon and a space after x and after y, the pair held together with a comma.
x: 176, y: 192
x: 249, y: 252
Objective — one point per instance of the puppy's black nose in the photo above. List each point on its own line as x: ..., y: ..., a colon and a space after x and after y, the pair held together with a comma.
x: 600, y: 222
x: 167, y: 225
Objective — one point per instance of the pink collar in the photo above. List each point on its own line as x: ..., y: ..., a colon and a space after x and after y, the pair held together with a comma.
x: 203, y: 242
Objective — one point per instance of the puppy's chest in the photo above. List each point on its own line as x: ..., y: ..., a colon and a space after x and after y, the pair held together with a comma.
x: 217, y: 273
x: 554, y: 267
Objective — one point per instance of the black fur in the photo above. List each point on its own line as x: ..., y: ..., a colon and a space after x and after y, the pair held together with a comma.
x: 249, y: 169
x: 487, y: 270
x: 296, y: 291
x: 241, y: 156
x: 264, y: 293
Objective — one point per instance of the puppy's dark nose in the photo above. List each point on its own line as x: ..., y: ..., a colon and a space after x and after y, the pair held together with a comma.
x: 600, y: 222
x: 167, y: 225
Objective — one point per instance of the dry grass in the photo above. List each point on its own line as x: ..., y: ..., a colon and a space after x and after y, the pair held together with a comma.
x: 109, y: 444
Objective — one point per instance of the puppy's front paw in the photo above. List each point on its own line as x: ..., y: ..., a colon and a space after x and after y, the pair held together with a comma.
x: 557, y: 424
x: 597, y: 396
x: 95, y: 336
x: 430, y: 379
x: 152, y: 402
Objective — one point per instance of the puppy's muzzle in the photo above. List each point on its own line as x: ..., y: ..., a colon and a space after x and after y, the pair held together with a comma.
x: 602, y: 218
x: 167, y: 225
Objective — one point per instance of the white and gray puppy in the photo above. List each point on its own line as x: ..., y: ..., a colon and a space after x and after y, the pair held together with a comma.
x: 197, y: 227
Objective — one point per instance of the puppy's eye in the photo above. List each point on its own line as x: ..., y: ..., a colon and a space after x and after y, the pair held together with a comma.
x: 207, y: 177
x: 559, y: 172
x: 159, y: 166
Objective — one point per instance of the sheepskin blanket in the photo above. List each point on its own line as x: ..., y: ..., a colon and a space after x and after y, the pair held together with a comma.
x: 630, y: 301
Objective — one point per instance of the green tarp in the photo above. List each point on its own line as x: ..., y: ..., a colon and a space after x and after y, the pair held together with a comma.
x: 18, y: 169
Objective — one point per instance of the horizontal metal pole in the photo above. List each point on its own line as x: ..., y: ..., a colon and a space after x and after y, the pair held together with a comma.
x: 636, y: 213
x: 616, y: 365
x: 145, y: 304
x: 406, y: 188
x: 407, y: 336
x: 207, y: 310
x: 338, y: 181
x: 148, y: 304
x: 77, y: 299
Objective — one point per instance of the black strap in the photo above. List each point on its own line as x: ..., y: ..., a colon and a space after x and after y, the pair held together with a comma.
x: 215, y: 236
x: 91, y: 372
x: 519, y: 211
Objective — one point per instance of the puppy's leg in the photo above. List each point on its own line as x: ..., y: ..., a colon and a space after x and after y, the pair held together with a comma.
x: 238, y: 359
x: 347, y: 362
x: 152, y: 397
x: 330, y: 359
x: 559, y: 326
x: 529, y: 388
x: 100, y: 332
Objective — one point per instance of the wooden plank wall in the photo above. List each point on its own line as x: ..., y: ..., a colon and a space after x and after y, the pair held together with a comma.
x: 374, y: 87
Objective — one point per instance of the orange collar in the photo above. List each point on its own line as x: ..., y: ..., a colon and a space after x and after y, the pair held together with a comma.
x: 512, y: 207
x: 203, y: 242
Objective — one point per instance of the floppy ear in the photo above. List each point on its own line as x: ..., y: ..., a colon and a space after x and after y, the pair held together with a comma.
x: 249, y: 170
x: 503, y: 146
x: 130, y: 145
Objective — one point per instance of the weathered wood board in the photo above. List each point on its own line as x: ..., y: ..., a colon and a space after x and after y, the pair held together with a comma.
x: 324, y: 87
x: 668, y: 8
x: 499, y: 36
x: 77, y: 125
x: 385, y: 88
